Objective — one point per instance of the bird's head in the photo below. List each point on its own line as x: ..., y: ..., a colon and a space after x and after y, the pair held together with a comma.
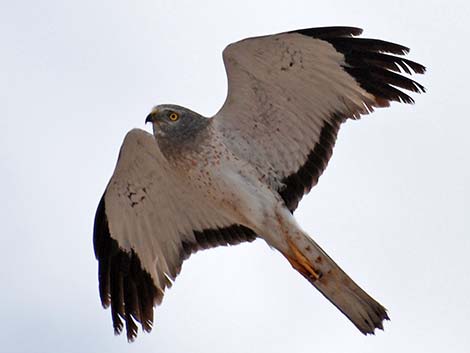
x: 172, y: 122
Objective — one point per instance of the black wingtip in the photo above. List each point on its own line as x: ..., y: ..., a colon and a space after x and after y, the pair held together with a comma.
x: 99, y: 227
x: 128, y: 288
x: 330, y: 32
x: 123, y: 282
x: 371, y: 63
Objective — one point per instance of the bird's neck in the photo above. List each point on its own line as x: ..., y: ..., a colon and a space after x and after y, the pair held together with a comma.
x: 186, y: 142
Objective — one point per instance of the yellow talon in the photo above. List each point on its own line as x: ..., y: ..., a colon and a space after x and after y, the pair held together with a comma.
x: 301, y: 263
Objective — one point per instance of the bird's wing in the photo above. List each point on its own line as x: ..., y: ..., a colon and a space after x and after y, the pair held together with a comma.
x: 289, y: 93
x: 148, y: 221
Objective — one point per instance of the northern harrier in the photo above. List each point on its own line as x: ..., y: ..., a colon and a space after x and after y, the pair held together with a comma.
x: 200, y: 182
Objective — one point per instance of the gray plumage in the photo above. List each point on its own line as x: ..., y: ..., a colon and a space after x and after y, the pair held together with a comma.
x: 202, y: 182
x: 185, y: 133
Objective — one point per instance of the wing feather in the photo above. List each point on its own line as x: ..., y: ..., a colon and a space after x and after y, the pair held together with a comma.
x: 148, y: 221
x: 289, y: 93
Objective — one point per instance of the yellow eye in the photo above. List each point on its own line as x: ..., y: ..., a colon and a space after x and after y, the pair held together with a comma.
x: 174, y: 116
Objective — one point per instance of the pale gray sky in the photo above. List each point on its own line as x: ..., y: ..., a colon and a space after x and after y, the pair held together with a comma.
x: 392, y: 207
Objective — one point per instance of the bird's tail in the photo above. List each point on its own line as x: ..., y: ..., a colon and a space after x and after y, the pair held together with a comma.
x: 320, y: 270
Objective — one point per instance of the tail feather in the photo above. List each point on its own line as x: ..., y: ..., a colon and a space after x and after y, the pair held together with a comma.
x: 363, y: 311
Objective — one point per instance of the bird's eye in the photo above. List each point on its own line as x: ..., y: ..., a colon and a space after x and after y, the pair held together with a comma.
x: 174, y: 116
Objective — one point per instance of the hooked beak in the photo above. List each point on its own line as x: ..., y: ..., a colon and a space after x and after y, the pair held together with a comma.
x: 149, y: 118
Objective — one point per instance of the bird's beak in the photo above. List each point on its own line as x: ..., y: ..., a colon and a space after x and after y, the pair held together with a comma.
x: 149, y: 118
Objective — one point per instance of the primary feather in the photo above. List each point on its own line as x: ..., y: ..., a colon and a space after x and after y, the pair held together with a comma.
x: 198, y: 183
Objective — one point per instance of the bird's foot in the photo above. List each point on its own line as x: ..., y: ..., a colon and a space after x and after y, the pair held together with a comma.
x: 301, y: 263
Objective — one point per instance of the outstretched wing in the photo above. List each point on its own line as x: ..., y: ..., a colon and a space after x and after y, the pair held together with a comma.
x: 289, y: 93
x: 148, y: 221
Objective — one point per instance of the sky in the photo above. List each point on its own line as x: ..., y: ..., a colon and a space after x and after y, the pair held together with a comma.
x: 392, y: 208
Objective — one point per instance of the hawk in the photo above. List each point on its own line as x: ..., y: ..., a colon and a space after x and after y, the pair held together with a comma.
x: 199, y: 182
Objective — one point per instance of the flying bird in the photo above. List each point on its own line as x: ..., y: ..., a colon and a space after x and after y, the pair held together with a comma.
x: 200, y: 182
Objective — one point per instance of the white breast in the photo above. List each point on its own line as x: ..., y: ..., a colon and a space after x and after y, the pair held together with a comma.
x: 236, y: 187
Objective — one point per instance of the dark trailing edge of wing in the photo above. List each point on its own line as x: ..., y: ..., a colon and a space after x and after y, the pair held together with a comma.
x: 301, y: 182
x: 127, y: 287
x: 376, y: 71
x: 211, y: 238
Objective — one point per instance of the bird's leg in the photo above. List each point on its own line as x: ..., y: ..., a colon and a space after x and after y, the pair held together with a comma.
x: 292, y: 253
x: 301, y: 263
x: 314, y: 264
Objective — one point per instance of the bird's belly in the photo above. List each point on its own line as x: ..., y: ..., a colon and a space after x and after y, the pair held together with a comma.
x: 238, y: 192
